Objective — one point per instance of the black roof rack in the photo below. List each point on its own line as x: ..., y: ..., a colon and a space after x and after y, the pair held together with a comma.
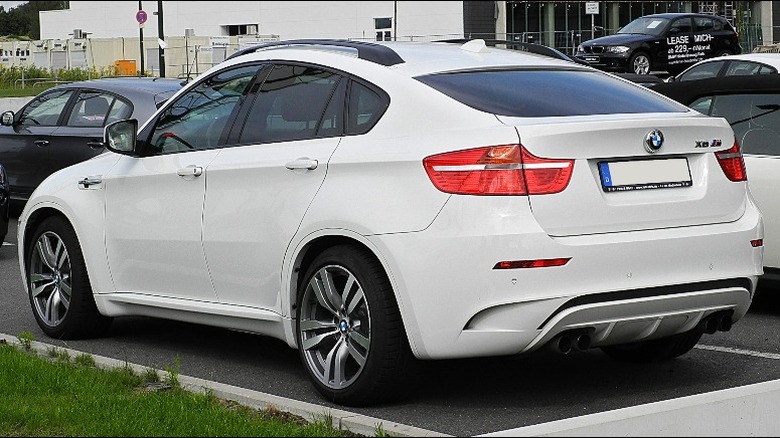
x: 369, y: 51
x: 538, y: 49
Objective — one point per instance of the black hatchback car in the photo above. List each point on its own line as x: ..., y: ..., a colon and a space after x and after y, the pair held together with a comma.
x: 64, y: 125
x: 662, y: 42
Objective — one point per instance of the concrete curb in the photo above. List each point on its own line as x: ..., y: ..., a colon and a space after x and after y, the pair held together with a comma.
x: 353, y: 422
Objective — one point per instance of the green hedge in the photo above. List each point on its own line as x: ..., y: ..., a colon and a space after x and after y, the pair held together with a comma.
x: 10, y: 75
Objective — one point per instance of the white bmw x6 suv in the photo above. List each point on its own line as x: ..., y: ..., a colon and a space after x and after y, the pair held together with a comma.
x: 370, y: 204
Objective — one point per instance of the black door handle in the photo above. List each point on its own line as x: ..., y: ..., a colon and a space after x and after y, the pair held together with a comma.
x: 42, y: 143
x: 95, y: 144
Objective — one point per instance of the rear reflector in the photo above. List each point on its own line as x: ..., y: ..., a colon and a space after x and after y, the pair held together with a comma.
x: 528, y: 264
x: 498, y: 170
x: 732, y: 163
x: 757, y: 243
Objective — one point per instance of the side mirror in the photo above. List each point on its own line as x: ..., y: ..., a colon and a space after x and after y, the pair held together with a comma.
x: 121, y: 136
x: 670, y: 79
x: 7, y: 119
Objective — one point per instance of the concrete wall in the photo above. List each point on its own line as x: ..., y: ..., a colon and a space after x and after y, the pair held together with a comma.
x: 288, y: 19
x: 13, y: 103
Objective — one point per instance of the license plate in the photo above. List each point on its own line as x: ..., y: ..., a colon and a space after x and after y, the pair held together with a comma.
x: 623, y: 176
x: 592, y: 59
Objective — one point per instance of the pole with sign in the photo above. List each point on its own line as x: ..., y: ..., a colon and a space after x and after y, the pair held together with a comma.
x: 592, y: 9
x: 141, y: 18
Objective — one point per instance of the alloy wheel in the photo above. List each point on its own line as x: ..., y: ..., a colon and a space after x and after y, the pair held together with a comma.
x: 50, y: 279
x: 335, y: 327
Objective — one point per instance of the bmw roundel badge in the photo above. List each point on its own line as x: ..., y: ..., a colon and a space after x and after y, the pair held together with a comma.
x: 654, y: 141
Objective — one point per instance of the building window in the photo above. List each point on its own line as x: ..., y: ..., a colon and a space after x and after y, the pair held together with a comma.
x: 240, y: 29
x: 384, y: 28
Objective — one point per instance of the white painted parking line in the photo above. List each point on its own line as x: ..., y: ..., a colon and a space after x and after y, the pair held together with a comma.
x: 7, y: 244
x: 738, y: 351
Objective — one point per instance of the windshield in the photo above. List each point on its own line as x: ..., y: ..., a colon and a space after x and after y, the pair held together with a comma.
x: 646, y: 26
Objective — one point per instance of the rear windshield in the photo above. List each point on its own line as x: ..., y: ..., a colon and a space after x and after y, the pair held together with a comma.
x: 546, y: 93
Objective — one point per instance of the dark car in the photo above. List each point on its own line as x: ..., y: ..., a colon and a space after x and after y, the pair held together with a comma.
x: 751, y: 104
x: 662, y: 42
x: 745, y: 64
x: 5, y: 204
x: 64, y: 125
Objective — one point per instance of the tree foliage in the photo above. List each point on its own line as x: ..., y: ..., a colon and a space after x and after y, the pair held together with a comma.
x: 22, y: 21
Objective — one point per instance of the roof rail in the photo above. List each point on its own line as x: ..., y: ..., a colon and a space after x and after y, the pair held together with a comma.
x: 538, y: 49
x: 369, y: 51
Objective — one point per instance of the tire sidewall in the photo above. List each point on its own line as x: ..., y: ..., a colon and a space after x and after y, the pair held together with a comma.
x: 375, y: 289
x: 633, y: 59
x: 81, y: 292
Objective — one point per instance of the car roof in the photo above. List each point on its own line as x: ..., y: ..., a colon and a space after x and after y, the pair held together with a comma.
x: 772, y: 59
x: 672, y: 15
x: 129, y: 86
x: 417, y: 58
x: 688, y: 91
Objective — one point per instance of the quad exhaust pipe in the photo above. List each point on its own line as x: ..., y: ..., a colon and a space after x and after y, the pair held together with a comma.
x: 572, y: 340
x: 719, y: 321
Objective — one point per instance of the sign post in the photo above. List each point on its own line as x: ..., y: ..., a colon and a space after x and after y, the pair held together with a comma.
x: 592, y: 9
x: 141, y: 17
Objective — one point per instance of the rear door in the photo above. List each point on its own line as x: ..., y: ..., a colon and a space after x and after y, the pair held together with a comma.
x: 81, y: 135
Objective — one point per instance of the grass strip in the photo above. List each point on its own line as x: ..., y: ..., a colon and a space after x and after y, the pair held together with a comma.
x: 43, y: 397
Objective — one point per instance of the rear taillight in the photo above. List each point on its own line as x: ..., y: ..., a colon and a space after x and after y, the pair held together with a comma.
x: 732, y: 163
x: 498, y: 170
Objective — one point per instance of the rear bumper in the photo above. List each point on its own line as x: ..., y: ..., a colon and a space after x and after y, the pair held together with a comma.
x: 623, y: 287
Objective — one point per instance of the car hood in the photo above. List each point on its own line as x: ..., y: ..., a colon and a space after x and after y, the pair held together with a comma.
x: 620, y: 39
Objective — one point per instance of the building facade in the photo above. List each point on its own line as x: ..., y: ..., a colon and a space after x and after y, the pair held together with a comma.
x: 195, y: 35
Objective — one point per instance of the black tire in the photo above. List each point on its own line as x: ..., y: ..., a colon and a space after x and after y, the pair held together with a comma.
x: 640, y: 64
x: 60, y: 293
x: 341, y: 333
x: 656, y: 350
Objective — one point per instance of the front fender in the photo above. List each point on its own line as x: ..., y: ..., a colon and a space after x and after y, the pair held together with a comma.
x: 83, y: 207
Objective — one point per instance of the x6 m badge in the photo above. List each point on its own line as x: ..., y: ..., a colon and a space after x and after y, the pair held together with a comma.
x: 654, y: 141
x: 709, y: 144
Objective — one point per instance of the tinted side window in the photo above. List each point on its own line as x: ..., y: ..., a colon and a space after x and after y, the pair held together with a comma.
x: 702, y: 71
x: 755, y: 119
x: 290, y: 105
x: 747, y: 68
x: 682, y: 25
x: 545, y: 93
x: 92, y: 109
x: 46, y: 109
x: 198, y: 118
x: 366, y: 106
x: 704, y: 24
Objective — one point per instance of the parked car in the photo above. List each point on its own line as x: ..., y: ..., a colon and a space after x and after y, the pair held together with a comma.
x: 752, y: 107
x: 745, y: 64
x: 64, y: 125
x: 662, y: 42
x: 375, y: 203
x: 5, y: 204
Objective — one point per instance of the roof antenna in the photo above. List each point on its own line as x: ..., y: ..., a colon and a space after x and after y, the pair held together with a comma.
x: 475, y: 46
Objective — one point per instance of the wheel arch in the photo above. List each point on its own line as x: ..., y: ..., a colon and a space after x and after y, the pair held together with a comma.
x: 304, y: 255
x: 31, y: 224
x: 89, y: 243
